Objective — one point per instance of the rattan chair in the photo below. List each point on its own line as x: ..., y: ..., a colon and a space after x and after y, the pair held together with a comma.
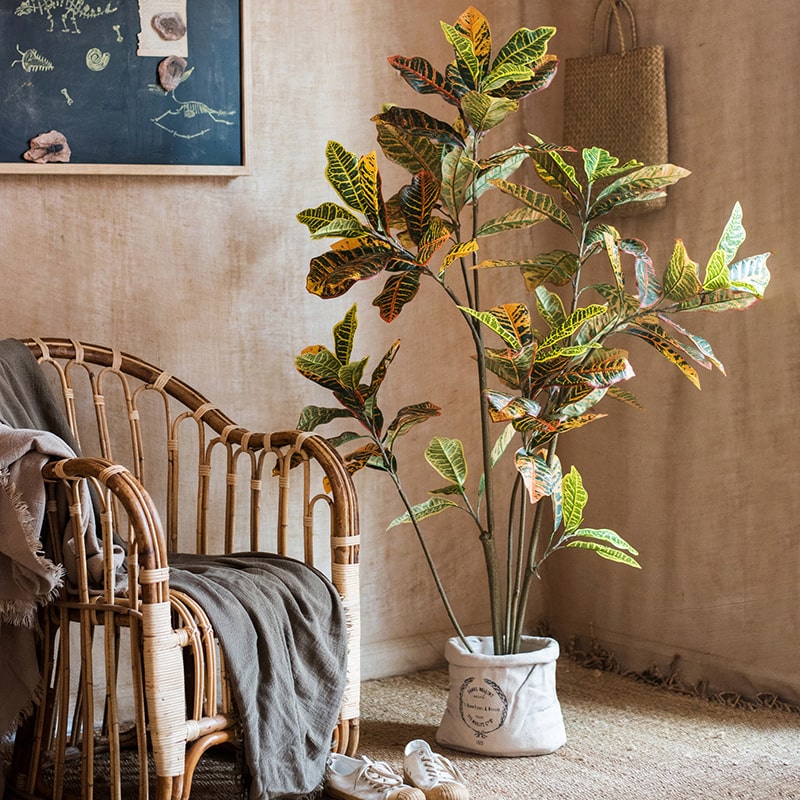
x: 154, y: 449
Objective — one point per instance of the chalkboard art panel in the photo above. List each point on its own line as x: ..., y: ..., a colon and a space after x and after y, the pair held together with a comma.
x: 73, y: 67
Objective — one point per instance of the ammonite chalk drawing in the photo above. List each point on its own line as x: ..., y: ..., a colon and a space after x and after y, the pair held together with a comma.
x: 97, y: 60
x: 70, y: 11
x: 33, y: 61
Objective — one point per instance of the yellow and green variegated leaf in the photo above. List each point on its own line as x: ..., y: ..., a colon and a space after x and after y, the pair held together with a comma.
x: 616, y: 264
x: 537, y: 476
x: 516, y: 320
x: 344, y: 438
x: 342, y: 174
x: 370, y: 179
x: 550, y: 306
x: 446, y: 456
x: 368, y: 455
x: 606, y: 536
x: 502, y: 443
x: 525, y: 46
x: 641, y: 184
x: 571, y: 324
x: 319, y: 365
x: 418, y: 123
x: 556, y: 267
x: 514, y: 73
x: 720, y: 300
x: 624, y: 396
x: 503, y: 408
x: 456, y: 79
x: 716, y: 273
x: 474, y: 25
x: 350, y: 376
x: 543, y: 72
x: 398, y: 290
x: 573, y: 423
x: 417, y: 200
x: 750, y: 275
x: 514, y: 220
x: 681, y: 281
x: 699, y: 349
x: 348, y: 227
x: 344, y: 334
x: 423, y: 78
x: 456, y: 172
x: 556, y: 172
x: 599, y: 163
x: 610, y: 553
x: 323, y: 215
x: 667, y: 347
x: 465, y: 53
x: 511, y: 366
x: 647, y: 282
x: 500, y: 166
x: 599, y: 373
x: 538, y: 431
x: 334, y: 272
x: 431, y: 507
x: 733, y: 235
x: 538, y: 201
x: 489, y: 320
x: 459, y: 250
x: 413, y: 153
x: 586, y: 399
x: 408, y: 417
x: 573, y: 500
x: 311, y: 417
x: 484, y: 112
x: 435, y: 236
x: 379, y: 373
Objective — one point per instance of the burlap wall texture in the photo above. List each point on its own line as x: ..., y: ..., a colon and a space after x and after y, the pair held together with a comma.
x: 206, y: 276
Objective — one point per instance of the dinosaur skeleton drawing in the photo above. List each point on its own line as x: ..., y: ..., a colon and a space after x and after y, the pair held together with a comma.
x: 192, y: 110
x: 70, y: 11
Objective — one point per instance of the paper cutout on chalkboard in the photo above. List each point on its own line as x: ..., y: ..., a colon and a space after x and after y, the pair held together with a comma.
x: 151, y: 42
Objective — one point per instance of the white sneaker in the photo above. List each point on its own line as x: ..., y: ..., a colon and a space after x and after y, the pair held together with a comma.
x: 436, y: 775
x: 364, y: 779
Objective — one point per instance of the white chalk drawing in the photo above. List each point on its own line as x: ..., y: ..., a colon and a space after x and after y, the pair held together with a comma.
x: 33, y: 61
x: 69, y: 100
x: 116, y: 28
x: 97, y: 60
x: 69, y: 11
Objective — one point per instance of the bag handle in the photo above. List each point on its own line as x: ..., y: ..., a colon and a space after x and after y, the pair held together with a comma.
x: 613, y: 10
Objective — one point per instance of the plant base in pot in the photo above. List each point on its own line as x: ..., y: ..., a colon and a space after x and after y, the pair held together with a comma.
x: 502, y: 705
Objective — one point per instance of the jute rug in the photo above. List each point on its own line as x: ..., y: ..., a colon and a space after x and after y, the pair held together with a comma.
x: 626, y: 740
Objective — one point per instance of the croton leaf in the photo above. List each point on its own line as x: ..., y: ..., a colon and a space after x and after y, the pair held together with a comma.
x: 497, y: 78
x: 574, y: 499
x: 348, y: 227
x: 624, y: 396
x: 537, y: 475
x: 647, y: 282
x: 417, y: 200
x: 699, y: 349
x: 500, y: 166
x: 612, y: 554
x: 579, y: 399
x: 572, y: 323
x: 459, y: 250
x: 418, y: 123
x: 474, y: 25
x: 556, y: 172
x: 667, y: 347
x: 398, y: 290
x: 429, y: 508
x: 550, y: 306
x: 333, y: 273
x: 680, y: 280
x: 410, y: 416
x: 456, y: 170
x: 733, y: 235
x: 719, y: 300
x: 379, y: 373
x: 342, y: 174
x: 641, y: 184
x: 517, y: 219
x: 423, y: 78
x: 525, y: 46
x: 344, y: 333
x: 446, y: 456
x: 505, y: 408
x: 464, y: 48
x: 319, y: 365
x: 516, y: 320
x: 543, y: 72
x: 598, y: 373
x: 716, y: 273
x: 322, y: 215
x: 538, y: 201
x: 484, y: 112
x: 362, y: 457
x: 455, y: 77
x: 556, y: 267
x: 413, y: 153
x: 311, y: 417
x: 751, y: 274
x: 599, y: 163
x: 370, y: 179
x: 491, y: 322
x: 513, y: 367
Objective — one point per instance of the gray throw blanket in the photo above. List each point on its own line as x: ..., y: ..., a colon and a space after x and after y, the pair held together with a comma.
x: 33, y: 430
x: 282, y: 630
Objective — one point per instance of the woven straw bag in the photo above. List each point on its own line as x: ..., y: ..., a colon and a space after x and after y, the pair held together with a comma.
x: 618, y: 101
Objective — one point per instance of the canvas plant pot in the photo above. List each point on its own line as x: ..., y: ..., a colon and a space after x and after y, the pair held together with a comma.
x: 502, y: 705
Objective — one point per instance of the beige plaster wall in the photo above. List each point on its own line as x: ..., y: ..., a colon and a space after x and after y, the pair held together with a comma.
x: 206, y: 277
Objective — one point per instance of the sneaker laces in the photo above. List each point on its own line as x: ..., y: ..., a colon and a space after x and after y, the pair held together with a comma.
x: 439, y: 768
x: 378, y: 774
